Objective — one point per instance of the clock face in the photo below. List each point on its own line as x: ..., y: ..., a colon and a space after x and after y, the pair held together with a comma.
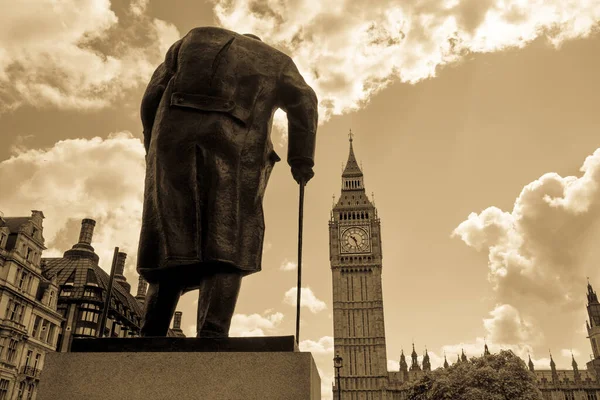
x: 355, y: 240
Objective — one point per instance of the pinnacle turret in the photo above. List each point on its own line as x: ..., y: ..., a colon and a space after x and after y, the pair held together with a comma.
x: 531, y: 367
x: 415, y: 363
x: 553, y: 369
x: 352, y: 169
x: 426, y: 362
x: 403, y: 365
x: 591, y: 294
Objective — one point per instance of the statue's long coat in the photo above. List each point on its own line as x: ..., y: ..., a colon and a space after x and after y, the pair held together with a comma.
x: 207, y: 115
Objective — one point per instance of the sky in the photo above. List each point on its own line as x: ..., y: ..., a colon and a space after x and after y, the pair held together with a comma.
x: 475, y: 121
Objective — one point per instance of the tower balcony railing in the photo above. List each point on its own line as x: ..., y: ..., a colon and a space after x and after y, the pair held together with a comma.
x: 31, y: 372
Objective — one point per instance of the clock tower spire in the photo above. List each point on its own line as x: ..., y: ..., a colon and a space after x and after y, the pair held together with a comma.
x: 356, y: 265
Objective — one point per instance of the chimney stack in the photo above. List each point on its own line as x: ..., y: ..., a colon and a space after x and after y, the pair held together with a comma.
x: 177, y: 320
x: 87, y: 231
x: 120, y: 269
x: 141, y: 290
x: 83, y: 248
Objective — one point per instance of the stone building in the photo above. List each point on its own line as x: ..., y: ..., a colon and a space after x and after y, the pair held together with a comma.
x: 355, y: 246
x: 29, y: 321
x: 83, y: 286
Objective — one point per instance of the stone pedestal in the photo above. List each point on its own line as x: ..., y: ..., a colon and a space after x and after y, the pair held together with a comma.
x: 180, y: 374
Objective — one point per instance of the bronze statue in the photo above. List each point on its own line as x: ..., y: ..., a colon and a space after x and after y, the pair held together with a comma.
x: 207, y: 114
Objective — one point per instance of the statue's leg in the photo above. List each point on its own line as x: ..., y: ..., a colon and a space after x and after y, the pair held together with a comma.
x: 223, y: 295
x: 161, y: 301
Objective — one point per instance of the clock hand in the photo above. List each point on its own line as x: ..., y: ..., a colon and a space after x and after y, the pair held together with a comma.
x: 355, y: 241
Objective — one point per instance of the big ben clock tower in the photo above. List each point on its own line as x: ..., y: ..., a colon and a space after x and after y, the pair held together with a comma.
x: 356, y: 263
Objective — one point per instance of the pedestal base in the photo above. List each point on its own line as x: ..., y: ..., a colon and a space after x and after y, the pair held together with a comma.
x: 180, y: 376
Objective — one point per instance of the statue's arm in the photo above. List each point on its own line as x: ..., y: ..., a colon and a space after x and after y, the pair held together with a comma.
x: 155, y: 90
x: 300, y: 103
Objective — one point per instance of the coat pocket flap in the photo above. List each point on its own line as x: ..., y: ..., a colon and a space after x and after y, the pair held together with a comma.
x: 211, y: 104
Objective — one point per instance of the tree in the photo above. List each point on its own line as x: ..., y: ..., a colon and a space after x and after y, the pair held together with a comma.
x: 502, y: 376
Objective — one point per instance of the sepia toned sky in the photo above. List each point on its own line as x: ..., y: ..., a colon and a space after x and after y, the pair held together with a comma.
x: 476, y: 123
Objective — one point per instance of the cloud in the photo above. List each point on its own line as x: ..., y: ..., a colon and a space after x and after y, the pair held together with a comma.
x: 349, y: 51
x: 308, y: 299
x: 102, y: 179
x: 323, y: 346
x: 326, y: 384
x: 77, y: 54
x: 288, y: 265
x: 568, y: 352
x: 506, y: 326
x: 255, y: 324
x: 267, y: 246
x: 538, y: 256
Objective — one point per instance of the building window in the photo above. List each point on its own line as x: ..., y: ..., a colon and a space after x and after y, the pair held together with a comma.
x: 28, y: 358
x: 36, y: 362
x: 2, y: 343
x: 80, y: 330
x: 30, y: 390
x: 51, y: 299
x: 44, y: 333
x: 36, y: 326
x: 90, y: 293
x: 21, y: 390
x: 4, y: 389
x: 591, y: 395
x: 12, y: 350
x: 90, y: 306
x: 90, y: 316
x: 66, y: 292
x: 51, y: 333
x: 21, y: 280
x: 14, y: 311
x: 2, y: 237
x: 569, y: 395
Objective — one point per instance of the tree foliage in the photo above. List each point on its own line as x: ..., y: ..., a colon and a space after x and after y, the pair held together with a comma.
x: 502, y: 376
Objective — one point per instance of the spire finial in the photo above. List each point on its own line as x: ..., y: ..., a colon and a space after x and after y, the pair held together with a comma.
x: 350, y: 135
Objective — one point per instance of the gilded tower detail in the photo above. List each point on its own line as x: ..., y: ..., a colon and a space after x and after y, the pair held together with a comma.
x: 356, y: 264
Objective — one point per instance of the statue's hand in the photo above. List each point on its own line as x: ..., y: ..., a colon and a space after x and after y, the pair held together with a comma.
x: 302, y: 172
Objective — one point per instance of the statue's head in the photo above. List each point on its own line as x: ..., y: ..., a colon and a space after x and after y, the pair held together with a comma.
x: 252, y: 36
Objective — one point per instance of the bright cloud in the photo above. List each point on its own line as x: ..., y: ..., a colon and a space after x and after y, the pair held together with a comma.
x: 288, y: 265
x: 326, y: 384
x: 307, y: 299
x: 350, y: 50
x: 323, y: 346
x: 77, y: 54
x: 537, y: 256
x: 79, y: 179
x: 255, y: 324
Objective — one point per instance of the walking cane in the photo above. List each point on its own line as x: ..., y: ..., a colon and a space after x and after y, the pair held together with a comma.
x: 300, y: 218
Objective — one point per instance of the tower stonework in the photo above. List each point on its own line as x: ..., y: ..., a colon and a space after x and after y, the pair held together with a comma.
x: 356, y: 266
x: 593, y: 329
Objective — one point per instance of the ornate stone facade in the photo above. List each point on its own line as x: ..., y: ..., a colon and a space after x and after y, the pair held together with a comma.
x: 29, y: 321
